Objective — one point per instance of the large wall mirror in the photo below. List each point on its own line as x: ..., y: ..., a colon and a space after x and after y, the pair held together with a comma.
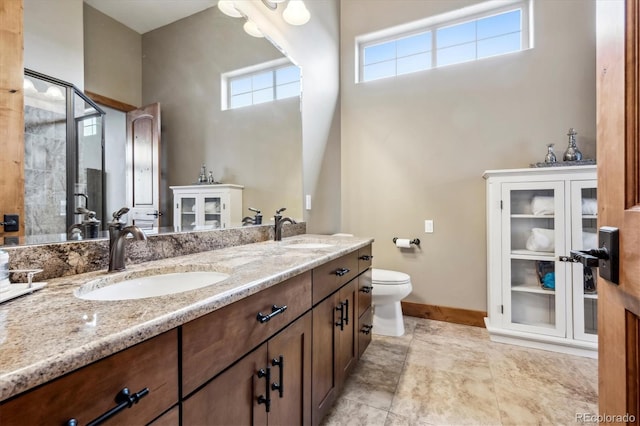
x: 184, y: 66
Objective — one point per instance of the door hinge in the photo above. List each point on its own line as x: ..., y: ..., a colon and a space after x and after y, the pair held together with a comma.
x: 502, y: 309
x: 224, y: 206
x: 501, y: 207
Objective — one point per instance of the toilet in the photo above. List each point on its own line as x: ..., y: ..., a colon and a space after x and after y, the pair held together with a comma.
x: 389, y: 288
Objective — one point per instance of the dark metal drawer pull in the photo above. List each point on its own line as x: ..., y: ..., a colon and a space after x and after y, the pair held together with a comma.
x: 346, y: 311
x: 366, y: 289
x: 340, y: 323
x: 366, y: 257
x: 124, y: 399
x: 342, y: 271
x: 275, y: 310
x: 262, y: 399
x: 366, y: 329
x: 279, y: 362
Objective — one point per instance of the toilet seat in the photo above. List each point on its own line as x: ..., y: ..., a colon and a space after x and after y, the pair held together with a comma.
x: 386, y: 277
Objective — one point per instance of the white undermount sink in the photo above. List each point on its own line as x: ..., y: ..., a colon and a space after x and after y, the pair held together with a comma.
x: 148, y: 286
x: 308, y: 245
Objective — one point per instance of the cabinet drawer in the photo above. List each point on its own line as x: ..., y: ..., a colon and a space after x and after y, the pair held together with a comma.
x: 332, y: 275
x: 365, y: 324
x: 90, y: 391
x: 213, y: 342
x: 364, y: 291
x: 364, y: 258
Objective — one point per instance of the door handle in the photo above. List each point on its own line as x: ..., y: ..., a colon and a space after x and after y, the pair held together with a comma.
x: 155, y: 214
x: 606, y: 257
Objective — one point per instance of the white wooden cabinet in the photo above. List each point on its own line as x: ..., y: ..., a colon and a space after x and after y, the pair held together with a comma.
x: 206, y: 206
x: 534, y: 216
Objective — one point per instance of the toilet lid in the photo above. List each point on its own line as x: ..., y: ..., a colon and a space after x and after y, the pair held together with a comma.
x: 384, y: 276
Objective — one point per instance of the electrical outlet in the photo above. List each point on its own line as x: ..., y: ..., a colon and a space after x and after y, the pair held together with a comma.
x: 307, y: 201
x: 428, y: 226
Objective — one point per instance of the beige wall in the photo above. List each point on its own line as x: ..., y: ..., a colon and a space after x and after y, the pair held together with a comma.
x: 258, y: 147
x: 53, y: 43
x: 415, y: 147
x: 112, y: 58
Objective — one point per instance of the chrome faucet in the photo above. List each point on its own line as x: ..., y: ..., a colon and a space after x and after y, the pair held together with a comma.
x: 279, y: 220
x: 255, y: 220
x: 116, y: 253
x: 117, y: 238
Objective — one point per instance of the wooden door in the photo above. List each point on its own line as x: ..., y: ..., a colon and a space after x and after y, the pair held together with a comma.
x: 231, y: 398
x: 11, y: 115
x: 290, y: 359
x: 618, y: 121
x: 143, y: 166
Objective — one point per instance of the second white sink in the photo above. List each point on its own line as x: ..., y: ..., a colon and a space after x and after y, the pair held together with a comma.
x: 149, y: 286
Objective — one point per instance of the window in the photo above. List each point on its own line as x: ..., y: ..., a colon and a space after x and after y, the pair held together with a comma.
x: 90, y: 126
x: 465, y: 35
x: 267, y: 84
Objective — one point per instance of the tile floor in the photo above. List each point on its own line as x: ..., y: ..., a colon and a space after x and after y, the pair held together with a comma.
x: 440, y: 373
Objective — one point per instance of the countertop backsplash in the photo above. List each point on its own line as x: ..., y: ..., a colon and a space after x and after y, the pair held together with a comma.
x: 79, y: 257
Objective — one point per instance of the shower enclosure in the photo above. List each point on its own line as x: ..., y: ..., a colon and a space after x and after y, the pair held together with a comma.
x: 64, y: 155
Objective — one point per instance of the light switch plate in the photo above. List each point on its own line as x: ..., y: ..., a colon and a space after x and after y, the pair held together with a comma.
x: 428, y: 226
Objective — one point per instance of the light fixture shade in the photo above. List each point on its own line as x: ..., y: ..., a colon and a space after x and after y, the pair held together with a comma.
x: 296, y: 13
x: 252, y: 29
x: 228, y: 8
x: 54, y: 93
x: 28, y: 86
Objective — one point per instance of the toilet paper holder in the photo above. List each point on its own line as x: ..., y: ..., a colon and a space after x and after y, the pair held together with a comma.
x: 415, y: 241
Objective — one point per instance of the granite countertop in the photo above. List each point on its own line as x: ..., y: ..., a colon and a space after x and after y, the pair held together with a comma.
x: 51, y: 332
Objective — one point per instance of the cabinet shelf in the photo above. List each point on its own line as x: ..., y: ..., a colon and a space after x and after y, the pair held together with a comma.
x: 532, y: 255
x: 591, y: 296
x: 531, y: 216
x: 530, y: 288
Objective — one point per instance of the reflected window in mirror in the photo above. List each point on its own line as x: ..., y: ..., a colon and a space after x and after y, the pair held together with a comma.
x: 261, y: 83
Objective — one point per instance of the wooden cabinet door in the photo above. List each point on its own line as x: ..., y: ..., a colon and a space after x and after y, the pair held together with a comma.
x: 323, y: 368
x: 290, y: 361
x: 232, y: 397
x: 347, y: 354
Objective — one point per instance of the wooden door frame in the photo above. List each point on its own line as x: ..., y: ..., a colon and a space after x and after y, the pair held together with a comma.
x: 12, y: 114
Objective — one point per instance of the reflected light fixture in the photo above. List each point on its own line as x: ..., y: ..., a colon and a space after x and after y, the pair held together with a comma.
x: 228, y: 8
x: 296, y: 13
x: 28, y: 86
x: 252, y: 29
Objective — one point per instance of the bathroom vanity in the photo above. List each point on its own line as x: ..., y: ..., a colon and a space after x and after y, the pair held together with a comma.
x: 237, y: 352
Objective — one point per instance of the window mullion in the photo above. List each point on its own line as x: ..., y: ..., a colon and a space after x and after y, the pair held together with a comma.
x: 434, y: 43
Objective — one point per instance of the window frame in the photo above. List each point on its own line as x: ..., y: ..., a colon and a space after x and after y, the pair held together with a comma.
x: 448, y: 19
x: 271, y: 66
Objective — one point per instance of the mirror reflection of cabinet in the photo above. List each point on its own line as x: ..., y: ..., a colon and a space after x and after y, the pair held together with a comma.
x: 534, y: 216
x: 197, y: 207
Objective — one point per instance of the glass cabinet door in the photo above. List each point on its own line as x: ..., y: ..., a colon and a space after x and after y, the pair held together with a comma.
x: 533, y: 237
x: 584, y: 236
x: 212, y: 212
x: 187, y: 208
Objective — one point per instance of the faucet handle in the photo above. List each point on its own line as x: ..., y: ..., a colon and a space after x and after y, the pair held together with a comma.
x: 253, y: 209
x: 118, y: 214
x: 280, y: 210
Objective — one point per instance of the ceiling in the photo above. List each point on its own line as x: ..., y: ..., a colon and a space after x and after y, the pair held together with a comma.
x: 146, y: 15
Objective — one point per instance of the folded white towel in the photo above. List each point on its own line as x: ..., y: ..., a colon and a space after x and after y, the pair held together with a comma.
x: 212, y: 207
x: 589, y: 240
x: 214, y: 223
x: 542, y: 205
x: 541, y: 239
x: 589, y: 206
